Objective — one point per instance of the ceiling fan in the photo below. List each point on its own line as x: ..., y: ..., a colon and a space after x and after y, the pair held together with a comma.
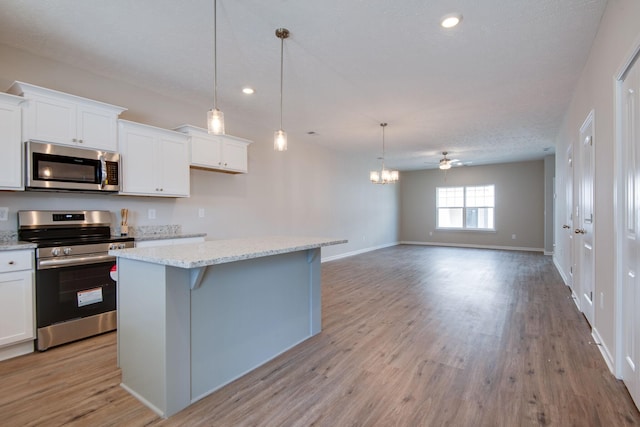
x: 446, y: 163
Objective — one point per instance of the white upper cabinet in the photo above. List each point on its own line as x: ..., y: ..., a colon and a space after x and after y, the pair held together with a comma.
x: 57, y: 117
x: 224, y: 153
x: 10, y: 142
x: 155, y: 161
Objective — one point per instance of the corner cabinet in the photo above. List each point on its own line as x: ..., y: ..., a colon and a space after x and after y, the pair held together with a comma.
x: 224, y: 153
x: 10, y: 142
x: 57, y: 117
x: 155, y: 161
x: 17, y: 325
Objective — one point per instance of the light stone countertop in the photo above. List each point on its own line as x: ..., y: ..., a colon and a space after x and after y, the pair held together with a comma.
x: 192, y: 255
x: 16, y: 245
x: 9, y: 241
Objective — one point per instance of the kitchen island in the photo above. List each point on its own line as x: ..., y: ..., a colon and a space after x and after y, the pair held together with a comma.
x: 194, y: 317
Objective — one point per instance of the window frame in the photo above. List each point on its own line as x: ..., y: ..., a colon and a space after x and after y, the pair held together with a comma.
x: 464, y: 208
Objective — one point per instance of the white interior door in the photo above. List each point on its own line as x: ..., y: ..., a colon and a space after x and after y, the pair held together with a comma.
x: 630, y: 247
x: 567, y: 226
x: 584, y: 220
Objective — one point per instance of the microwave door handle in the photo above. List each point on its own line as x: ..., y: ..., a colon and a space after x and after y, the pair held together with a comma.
x: 103, y: 171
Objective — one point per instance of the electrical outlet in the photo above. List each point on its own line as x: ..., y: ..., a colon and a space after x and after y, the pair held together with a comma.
x: 201, y: 213
x: 152, y: 214
x: 4, y: 214
x: 513, y: 237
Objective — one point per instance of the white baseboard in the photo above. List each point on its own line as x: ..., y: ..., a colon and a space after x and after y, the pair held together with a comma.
x: 465, y: 245
x: 604, y: 350
x: 358, y: 252
x: 548, y: 253
x: 565, y: 279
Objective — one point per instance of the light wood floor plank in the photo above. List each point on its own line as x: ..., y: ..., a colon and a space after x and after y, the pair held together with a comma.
x: 412, y: 336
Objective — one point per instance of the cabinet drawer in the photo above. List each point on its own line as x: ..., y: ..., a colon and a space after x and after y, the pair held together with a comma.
x: 16, y: 261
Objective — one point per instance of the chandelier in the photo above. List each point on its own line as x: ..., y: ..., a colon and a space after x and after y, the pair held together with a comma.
x: 384, y: 176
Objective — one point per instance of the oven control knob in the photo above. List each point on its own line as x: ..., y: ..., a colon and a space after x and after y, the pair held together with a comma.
x: 121, y: 246
x: 112, y: 246
x: 55, y: 251
x: 67, y: 251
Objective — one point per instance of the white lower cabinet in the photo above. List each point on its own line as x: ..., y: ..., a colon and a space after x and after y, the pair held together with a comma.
x: 17, y: 317
x: 155, y: 161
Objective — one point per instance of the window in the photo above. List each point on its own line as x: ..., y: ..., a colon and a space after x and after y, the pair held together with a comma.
x: 466, y: 207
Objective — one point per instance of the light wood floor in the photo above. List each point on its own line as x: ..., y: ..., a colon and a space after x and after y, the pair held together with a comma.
x: 412, y: 336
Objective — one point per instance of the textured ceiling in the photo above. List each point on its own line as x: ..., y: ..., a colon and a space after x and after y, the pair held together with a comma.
x: 491, y: 90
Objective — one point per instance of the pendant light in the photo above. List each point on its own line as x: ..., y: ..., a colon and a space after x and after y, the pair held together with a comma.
x: 280, y: 137
x: 384, y: 176
x: 215, y: 117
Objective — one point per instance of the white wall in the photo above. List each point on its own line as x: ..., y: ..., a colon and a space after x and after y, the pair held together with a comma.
x: 308, y: 190
x: 618, y: 32
x: 519, y: 211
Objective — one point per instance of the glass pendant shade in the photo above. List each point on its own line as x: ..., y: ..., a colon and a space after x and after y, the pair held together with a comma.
x: 445, y: 165
x: 215, y: 121
x: 384, y: 176
x: 280, y: 140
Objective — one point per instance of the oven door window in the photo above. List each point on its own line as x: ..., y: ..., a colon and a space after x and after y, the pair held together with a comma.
x: 69, y: 293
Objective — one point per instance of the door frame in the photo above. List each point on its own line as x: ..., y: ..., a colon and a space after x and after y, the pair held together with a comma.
x: 616, y: 365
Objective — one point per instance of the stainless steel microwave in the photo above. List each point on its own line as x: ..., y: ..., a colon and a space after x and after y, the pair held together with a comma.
x: 63, y: 168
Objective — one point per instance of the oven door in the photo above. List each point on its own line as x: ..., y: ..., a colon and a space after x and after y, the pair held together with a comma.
x: 77, y: 288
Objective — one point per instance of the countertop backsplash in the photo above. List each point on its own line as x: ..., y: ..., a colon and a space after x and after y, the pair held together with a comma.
x: 152, y: 230
x: 8, y: 235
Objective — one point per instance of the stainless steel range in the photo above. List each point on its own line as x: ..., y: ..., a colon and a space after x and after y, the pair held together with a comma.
x: 75, y: 293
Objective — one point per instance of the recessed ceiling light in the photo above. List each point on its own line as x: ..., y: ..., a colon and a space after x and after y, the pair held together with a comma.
x: 450, y: 20
x: 248, y: 90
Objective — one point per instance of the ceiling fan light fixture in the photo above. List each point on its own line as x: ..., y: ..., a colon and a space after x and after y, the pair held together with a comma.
x: 450, y: 20
x: 215, y: 117
x: 445, y: 163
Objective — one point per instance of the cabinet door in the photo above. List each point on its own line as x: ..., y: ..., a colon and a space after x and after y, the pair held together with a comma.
x: 10, y: 144
x: 16, y: 307
x: 235, y: 156
x: 138, y: 162
x: 173, y: 164
x: 206, y: 151
x: 50, y: 120
x: 97, y: 128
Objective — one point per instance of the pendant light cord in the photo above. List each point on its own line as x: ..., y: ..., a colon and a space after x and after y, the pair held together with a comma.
x: 281, y: 76
x: 383, y: 126
x: 215, y: 54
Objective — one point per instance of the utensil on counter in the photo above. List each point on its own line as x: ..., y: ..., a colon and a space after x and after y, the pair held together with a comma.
x: 124, y: 227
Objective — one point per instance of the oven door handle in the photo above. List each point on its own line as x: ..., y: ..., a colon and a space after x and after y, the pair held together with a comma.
x: 71, y: 261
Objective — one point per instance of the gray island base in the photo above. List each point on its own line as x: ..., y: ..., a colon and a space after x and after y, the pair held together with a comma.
x: 194, y: 317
